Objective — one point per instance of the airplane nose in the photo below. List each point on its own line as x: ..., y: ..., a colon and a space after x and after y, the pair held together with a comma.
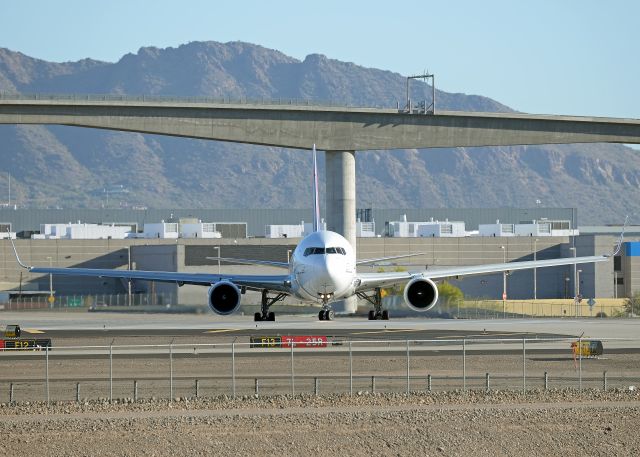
x: 330, y: 274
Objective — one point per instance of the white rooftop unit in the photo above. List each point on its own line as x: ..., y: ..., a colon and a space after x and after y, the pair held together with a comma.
x: 82, y: 231
x: 497, y: 229
x: 442, y: 229
x: 291, y: 231
x: 405, y: 229
x: 161, y: 230
x: 534, y: 229
x: 199, y: 230
x: 283, y: 231
x: 365, y: 229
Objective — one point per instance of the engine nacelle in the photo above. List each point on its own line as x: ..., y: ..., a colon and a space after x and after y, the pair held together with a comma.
x: 224, y: 298
x: 421, y: 294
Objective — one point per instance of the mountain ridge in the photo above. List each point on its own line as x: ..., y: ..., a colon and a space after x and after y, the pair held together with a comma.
x: 72, y: 167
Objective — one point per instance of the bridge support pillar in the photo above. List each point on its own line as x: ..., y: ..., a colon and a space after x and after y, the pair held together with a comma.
x: 341, y: 204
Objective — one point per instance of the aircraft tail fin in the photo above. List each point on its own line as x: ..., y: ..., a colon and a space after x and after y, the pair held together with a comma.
x: 618, y: 247
x: 316, y: 197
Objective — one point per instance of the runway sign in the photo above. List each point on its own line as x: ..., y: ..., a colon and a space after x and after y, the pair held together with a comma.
x: 27, y: 344
x: 299, y: 341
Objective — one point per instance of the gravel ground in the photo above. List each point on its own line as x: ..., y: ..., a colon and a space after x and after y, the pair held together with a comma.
x: 451, y: 423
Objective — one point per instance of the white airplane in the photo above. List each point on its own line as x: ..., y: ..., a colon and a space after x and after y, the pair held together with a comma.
x: 322, y: 269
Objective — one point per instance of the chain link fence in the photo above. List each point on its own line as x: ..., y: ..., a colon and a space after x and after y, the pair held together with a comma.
x: 88, y: 302
x: 315, y: 367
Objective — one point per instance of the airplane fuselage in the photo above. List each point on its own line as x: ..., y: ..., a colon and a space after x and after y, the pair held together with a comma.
x: 323, y: 267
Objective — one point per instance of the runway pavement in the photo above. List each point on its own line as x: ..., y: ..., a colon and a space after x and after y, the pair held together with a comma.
x: 82, y: 325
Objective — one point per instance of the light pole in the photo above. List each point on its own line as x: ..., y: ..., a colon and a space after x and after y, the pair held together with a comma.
x: 50, y: 282
x: 217, y: 248
x: 615, y: 284
x: 578, y: 292
x: 575, y: 273
x: 535, y: 270
x: 504, y: 283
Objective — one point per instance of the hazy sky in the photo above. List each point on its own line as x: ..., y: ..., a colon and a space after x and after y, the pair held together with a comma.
x: 544, y: 56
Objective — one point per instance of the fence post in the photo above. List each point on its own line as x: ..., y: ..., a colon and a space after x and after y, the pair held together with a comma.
x: 546, y: 381
x: 135, y: 390
x: 487, y: 382
x: 408, y: 370
x: 524, y: 366
x: 257, y: 387
x: 11, y: 393
x: 293, y: 384
x: 47, y: 372
x: 464, y: 364
x: 197, y: 388
x: 78, y: 392
x: 233, y: 369
x: 350, y: 370
x: 580, y: 363
x: 429, y: 382
x: 604, y: 380
x: 373, y: 384
x: 316, y: 386
x: 171, y: 372
x: 110, y: 372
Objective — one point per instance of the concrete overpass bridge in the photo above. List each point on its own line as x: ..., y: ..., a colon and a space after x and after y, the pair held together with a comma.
x: 340, y: 131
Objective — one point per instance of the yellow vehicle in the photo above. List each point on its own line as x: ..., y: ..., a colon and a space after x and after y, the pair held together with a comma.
x: 587, y: 348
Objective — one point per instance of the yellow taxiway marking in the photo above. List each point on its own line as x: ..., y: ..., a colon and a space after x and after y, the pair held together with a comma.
x: 450, y: 337
x: 223, y: 330
x: 386, y: 331
x: 31, y: 330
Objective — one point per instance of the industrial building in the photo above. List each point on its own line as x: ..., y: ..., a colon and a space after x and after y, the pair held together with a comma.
x: 189, y: 245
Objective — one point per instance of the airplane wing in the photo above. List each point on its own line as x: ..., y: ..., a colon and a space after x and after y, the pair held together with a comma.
x: 270, y: 263
x: 257, y: 282
x: 370, y: 281
x: 383, y: 259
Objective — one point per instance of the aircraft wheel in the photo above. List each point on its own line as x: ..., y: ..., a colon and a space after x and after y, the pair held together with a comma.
x: 372, y: 315
x: 271, y: 316
x: 257, y: 317
x: 321, y: 315
x: 385, y: 315
x: 330, y: 315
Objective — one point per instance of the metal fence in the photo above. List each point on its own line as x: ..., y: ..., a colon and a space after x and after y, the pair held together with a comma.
x: 351, y: 367
x: 70, y: 302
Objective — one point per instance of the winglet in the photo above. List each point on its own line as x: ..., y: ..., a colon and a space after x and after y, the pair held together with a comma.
x: 621, y: 238
x: 316, y: 198
x: 15, y: 251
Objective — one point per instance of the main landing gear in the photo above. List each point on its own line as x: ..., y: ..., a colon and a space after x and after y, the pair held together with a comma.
x: 377, y: 313
x: 267, y: 301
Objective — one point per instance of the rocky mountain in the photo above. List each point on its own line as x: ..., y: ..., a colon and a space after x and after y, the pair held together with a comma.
x: 72, y: 167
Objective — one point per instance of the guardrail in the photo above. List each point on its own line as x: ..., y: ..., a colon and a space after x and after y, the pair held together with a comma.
x: 233, y: 369
x: 171, y: 99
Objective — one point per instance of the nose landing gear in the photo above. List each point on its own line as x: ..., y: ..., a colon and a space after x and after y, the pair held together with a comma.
x: 377, y: 313
x: 327, y: 313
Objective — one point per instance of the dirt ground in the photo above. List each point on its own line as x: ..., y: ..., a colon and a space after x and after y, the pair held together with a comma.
x: 458, y: 423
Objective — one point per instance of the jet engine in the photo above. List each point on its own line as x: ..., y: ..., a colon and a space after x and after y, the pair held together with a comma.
x: 421, y: 294
x: 224, y: 298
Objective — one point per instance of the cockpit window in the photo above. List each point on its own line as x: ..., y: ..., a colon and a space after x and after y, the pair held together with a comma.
x: 332, y: 250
